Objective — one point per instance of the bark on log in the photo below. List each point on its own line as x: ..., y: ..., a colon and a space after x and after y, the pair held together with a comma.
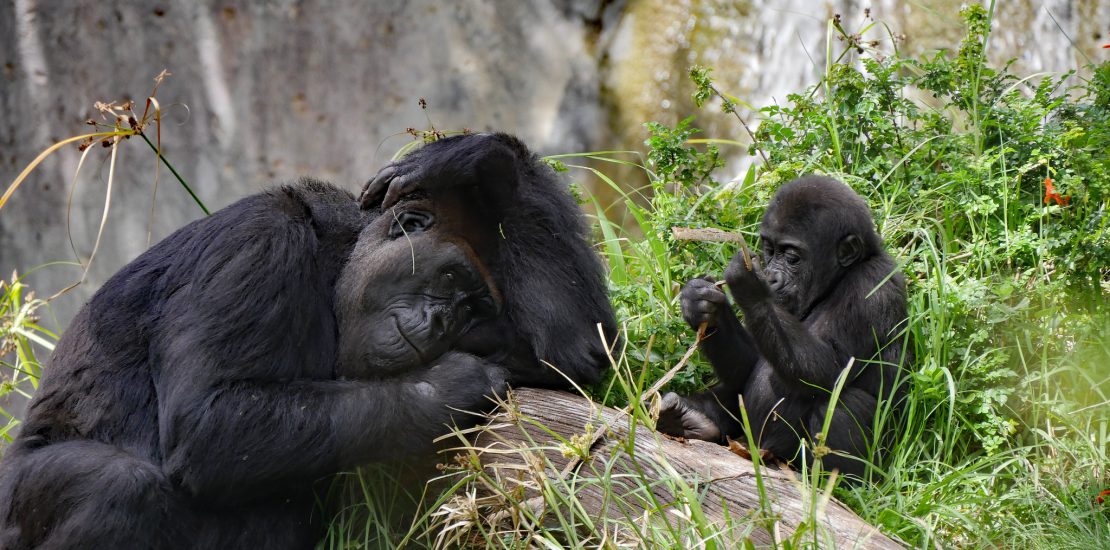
x: 726, y: 483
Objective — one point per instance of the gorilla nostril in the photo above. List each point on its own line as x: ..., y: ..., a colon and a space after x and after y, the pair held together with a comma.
x: 437, y: 323
x: 774, y: 280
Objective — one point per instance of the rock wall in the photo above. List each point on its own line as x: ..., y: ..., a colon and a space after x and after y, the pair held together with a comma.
x: 263, y: 92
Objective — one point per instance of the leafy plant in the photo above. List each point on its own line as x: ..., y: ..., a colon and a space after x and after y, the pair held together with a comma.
x: 22, y: 339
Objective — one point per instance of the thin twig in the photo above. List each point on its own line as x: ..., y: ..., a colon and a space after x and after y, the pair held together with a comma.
x: 654, y: 389
x: 732, y: 109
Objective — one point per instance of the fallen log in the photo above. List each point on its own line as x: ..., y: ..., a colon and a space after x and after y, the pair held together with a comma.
x: 540, y: 435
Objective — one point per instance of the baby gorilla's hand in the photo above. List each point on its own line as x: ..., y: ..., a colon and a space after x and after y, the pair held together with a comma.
x: 703, y: 302
x: 748, y: 286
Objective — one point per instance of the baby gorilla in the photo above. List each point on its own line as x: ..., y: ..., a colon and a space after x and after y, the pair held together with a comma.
x: 828, y: 293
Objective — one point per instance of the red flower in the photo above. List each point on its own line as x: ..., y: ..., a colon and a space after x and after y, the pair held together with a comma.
x: 1101, y: 496
x: 1106, y: 45
x: 1051, y: 194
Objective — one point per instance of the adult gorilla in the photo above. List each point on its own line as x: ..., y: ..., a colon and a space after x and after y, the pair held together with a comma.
x: 828, y: 294
x: 196, y: 398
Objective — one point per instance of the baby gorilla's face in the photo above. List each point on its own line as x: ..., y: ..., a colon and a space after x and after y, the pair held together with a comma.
x: 411, y: 288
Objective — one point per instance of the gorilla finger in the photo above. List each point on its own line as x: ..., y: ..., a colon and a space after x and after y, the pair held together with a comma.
x: 709, y: 294
x: 737, y: 271
x: 383, y: 173
x: 707, y: 319
x: 700, y: 282
x: 399, y: 187
x: 696, y: 289
x: 455, y: 366
x: 365, y: 199
x: 703, y: 301
x: 498, y: 378
x: 696, y: 311
x: 738, y: 262
x: 670, y: 401
x: 757, y: 267
x: 700, y: 427
x: 375, y: 189
x: 380, y: 181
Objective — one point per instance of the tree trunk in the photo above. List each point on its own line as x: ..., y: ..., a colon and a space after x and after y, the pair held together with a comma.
x: 724, y: 483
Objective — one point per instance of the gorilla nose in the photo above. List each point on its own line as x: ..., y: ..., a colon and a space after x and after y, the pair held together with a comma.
x: 437, y: 323
x: 775, y: 281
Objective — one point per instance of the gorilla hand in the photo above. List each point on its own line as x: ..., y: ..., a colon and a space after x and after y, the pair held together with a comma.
x: 703, y: 302
x: 462, y: 383
x: 401, y: 416
x: 748, y: 286
x: 677, y: 417
x: 485, y: 160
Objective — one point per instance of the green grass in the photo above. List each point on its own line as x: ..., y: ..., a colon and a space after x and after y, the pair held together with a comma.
x: 22, y: 340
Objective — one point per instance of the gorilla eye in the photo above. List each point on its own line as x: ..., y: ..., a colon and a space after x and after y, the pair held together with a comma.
x: 410, y: 222
x: 482, y: 306
x: 454, y: 275
x: 792, y: 257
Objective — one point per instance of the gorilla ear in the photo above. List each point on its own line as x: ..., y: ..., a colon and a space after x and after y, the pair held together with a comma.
x: 849, y: 250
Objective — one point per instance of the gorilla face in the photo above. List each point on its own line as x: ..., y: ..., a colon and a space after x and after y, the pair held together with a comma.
x: 412, y: 286
x: 801, y: 262
x: 788, y: 268
x: 815, y: 229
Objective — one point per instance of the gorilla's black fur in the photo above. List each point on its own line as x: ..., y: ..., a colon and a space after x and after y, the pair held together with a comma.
x: 828, y: 293
x: 194, y: 401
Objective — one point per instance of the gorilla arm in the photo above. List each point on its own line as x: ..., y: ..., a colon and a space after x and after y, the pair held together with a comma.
x: 727, y: 344
x: 802, y: 358
x: 729, y: 347
x: 242, y: 438
x: 244, y: 357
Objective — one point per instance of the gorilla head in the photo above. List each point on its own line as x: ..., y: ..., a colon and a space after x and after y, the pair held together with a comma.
x: 524, y: 235
x: 416, y: 281
x: 815, y: 229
